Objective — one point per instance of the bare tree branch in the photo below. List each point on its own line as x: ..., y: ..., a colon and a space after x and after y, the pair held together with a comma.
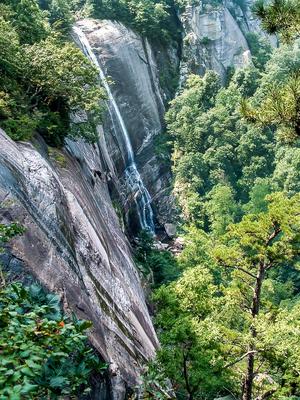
x: 240, y: 358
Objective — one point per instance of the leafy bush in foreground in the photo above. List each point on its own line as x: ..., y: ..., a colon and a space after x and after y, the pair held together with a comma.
x: 43, y: 353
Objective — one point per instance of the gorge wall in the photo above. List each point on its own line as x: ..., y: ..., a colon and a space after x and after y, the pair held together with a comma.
x: 74, y: 241
x: 69, y: 201
x: 128, y: 64
x: 216, y: 36
x: 73, y: 245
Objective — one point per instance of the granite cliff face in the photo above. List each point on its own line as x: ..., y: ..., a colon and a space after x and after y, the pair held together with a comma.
x: 215, y: 37
x: 74, y: 242
x: 128, y: 64
x: 73, y: 245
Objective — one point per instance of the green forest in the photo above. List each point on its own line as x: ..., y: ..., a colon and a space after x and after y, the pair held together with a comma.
x: 227, y: 309
x: 229, y: 323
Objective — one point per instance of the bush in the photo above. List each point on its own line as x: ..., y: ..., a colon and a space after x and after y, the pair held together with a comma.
x: 44, y: 79
x: 43, y: 353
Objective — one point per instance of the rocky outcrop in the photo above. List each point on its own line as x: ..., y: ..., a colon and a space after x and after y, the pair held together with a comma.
x: 215, y: 37
x: 213, y: 40
x: 73, y: 245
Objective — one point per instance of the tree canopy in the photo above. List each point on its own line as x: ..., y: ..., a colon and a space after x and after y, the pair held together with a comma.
x: 44, y: 77
x: 229, y: 324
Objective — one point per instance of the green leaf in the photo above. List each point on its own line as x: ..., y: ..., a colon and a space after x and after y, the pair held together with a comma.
x: 58, y: 382
x: 27, y: 372
x: 28, y: 387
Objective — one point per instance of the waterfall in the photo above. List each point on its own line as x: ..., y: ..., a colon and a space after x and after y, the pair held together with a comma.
x: 133, y: 178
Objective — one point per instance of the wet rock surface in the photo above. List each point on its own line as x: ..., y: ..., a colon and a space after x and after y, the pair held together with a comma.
x: 129, y: 64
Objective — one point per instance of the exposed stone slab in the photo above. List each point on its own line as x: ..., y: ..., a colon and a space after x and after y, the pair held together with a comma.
x: 74, y: 246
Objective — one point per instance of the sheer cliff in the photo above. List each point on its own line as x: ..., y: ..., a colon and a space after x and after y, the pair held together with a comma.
x: 69, y: 202
x: 73, y: 245
x: 134, y: 119
x: 216, y: 36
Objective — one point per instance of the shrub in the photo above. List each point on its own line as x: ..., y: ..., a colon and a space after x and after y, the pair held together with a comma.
x: 43, y: 353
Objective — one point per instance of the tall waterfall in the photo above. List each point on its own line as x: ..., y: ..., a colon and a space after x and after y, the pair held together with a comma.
x: 133, y: 178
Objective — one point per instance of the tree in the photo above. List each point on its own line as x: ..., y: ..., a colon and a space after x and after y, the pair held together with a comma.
x: 280, y: 347
x: 9, y: 49
x: 279, y: 97
x: 221, y: 208
x: 198, y: 97
x: 59, y: 72
x: 217, y: 323
x: 45, y: 79
x: 191, y: 353
x: 260, y: 48
x: 258, y: 244
x: 153, y: 19
x: 29, y: 20
x: 214, y: 147
x: 60, y: 15
x: 257, y: 196
x: 281, y: 107
x: 286, y: 175
x: 279, y: 16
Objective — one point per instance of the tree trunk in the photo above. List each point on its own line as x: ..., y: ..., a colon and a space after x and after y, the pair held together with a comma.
x: 186, y: 378
x: 248, y: 382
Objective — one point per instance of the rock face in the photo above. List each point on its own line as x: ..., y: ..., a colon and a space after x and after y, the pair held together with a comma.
x: 73, y: 245
x: 128, y: 63
x: 216, y: 37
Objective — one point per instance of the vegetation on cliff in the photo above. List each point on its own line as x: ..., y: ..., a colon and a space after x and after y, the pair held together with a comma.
x: 228, y: 308
x: 46, y: 83
x: 44, y: 78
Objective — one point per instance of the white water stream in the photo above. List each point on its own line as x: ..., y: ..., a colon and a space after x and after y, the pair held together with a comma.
x: 133, y: 178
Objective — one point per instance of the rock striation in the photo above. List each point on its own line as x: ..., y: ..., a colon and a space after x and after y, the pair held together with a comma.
x: 128, y: 63
x: 215, y: 37
x: 71, y: 203
x: 73, y: 244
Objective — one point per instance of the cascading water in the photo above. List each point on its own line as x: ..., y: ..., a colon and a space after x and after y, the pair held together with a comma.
x: 133, y: 178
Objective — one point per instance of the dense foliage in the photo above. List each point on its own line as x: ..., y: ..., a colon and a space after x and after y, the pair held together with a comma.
x: 232, y: 302
x: 228, y: 308
x: 43, y: 353
x: 155, y: 19
x: 229, y: 325
x: 279, y: 16
x: 224, y: 165
x: 157, y: 265
x: 44, y: 78
x: 45, y: 81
